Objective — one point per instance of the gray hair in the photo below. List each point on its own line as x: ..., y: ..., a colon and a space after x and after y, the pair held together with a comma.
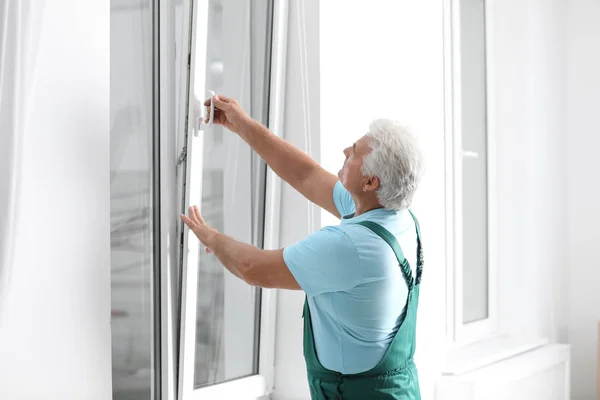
x: 396, y: 160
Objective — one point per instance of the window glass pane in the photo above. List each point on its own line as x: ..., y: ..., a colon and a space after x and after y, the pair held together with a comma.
x: 227, y: 183
x: 131, y: 198
x: 474, y: 144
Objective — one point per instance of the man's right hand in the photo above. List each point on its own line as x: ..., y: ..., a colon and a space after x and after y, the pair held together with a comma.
x: 230, y: 114
x: 291, y: 164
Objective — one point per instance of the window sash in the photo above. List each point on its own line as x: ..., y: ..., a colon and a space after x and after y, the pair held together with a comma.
x: 460, y: 332
x: 260, y: 384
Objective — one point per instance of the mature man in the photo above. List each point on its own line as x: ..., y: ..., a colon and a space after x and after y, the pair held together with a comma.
x: 361, y: 278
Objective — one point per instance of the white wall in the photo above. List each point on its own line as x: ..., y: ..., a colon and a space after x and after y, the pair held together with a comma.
x: 528, y: 84
x: 55, y: 331
x: 583, y: 164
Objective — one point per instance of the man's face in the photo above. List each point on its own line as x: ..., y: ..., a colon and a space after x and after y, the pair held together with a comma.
x: 350, y: 175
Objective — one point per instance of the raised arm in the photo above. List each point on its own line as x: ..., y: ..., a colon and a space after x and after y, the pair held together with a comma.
x: 291, y: 164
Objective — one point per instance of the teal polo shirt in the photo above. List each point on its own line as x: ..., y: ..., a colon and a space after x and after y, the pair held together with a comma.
x: 355, y: 288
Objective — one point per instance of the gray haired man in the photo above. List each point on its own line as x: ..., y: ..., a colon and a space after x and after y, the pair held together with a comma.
x: 361, y: 277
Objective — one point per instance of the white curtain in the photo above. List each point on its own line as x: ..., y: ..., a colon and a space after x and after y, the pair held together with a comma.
x: 20, y: 27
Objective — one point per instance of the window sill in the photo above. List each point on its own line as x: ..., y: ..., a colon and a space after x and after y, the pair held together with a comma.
x: 542, y: 373
x: 250, y: 388
x: 465, y: 358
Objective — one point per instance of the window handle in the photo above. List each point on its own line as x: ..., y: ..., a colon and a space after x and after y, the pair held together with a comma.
x: 202, y: 121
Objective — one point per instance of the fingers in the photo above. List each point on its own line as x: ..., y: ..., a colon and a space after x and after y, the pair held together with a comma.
x: 197, y: 216
x: 197, y: 225
x: 191, y: 216
x: 224, y: 100
x: 187, y: 221
x: 194, y: 216
x: 192, y: 220
x: 223, y: 103
x: 219, y: 118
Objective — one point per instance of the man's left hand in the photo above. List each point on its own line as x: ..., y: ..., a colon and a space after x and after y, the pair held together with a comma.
x: 196, y: 223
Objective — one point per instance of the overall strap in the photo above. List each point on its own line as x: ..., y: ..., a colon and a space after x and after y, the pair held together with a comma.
x: 393, y: 243
x: 420, y: 259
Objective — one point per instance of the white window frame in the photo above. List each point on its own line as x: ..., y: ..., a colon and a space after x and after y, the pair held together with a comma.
x: 169, y: 204
x: 461, y: 333
x: 261, y: 384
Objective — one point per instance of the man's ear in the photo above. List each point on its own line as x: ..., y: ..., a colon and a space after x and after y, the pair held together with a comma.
x: 371, y: 184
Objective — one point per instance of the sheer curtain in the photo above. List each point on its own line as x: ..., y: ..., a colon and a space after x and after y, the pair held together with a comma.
x: 20, y: 27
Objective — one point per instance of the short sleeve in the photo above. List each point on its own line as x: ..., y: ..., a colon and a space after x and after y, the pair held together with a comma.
x: 325, y: 261
x: 343, y: 200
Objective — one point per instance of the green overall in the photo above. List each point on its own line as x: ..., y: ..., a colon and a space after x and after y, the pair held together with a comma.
x: 395, y: 377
